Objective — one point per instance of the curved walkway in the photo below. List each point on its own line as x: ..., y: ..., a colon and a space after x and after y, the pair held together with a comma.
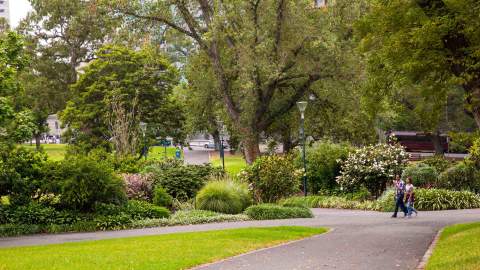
x: 359, y: 240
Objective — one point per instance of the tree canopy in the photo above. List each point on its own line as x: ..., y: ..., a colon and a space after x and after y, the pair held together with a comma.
x: 116, y: 92
x: 427, y: 46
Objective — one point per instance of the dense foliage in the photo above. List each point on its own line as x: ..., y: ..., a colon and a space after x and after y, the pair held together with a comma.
x: 434, y: 199
x: 182, y: 182
x: 272, y: 178
x: 323, y: 165
x: 372, y: 167
x: 463, y: 176
x: 161, y: 197
x: 440, y: 163
x: 16, y: 121
x: 422, y: 175
x: 120, y: 88
x: 272, y: 211
x: 21, y: 174
x: 426, y: 200
x: 138, y: 186
x: 224, y: 197
x: 84, y: 182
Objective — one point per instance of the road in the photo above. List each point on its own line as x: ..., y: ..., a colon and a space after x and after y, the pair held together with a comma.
x: 196, y: 156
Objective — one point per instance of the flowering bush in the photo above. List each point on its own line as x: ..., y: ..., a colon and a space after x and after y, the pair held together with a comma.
x: 139, y: 186
x: 272, y: 178
x: 371, y: 167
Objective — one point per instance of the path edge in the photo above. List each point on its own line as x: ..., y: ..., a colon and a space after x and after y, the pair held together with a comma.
x: 429, y: 252
x: 199, y: 267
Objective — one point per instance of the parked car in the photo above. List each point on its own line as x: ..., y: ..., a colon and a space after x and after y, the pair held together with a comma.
x: 211, y: 145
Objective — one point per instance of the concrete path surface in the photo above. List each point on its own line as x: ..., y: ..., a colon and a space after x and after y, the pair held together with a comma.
x: 359, y: 240
x: 196, y: 156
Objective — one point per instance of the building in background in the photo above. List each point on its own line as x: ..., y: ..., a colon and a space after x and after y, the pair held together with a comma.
x: 5, y: 10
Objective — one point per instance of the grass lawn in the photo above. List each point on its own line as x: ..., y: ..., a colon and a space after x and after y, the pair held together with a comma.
x: 57, y: 151
x: 158, y: 152
x: 172, y: 251
x: 458, y: 248
x: 54, y: 151
x: 233, y: 164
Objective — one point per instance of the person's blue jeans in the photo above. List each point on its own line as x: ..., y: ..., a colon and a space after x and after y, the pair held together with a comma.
x: 400, y: 204
x: 410, y: 209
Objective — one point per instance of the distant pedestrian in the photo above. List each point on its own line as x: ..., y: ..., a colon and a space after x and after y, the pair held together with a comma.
x: 410, y: 198
x: 399, y: 186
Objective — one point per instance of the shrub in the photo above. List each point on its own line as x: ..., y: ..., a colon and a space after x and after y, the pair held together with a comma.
x: 463, y: 176
x: 272, y: 211
x: 272, y: 178
x: 33, y: 213
x: 16, y: 229
x: 117, y: 222
x: 438, y: 162
x: 323, y: 165
x: 224, y: 197
x: 161, y: 197
x: 422, y: 175
x: 441, y: 199
x: 138, y: 186
x: 180, y: 181
x: 329, y: 202
x: 86, y: 182
x: 21, y: 174
x: 142, y: 210
x: 460, y: 142
x: 372, y: 167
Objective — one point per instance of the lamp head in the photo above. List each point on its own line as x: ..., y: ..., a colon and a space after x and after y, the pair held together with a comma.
x: 302, y: 106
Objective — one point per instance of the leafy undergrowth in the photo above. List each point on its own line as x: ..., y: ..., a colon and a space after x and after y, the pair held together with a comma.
x: 172, y: 251
x: 457, y: 249
x: 426, y: 200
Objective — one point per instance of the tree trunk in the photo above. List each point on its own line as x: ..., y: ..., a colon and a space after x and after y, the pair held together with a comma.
x: 437, y: 143
x: 287, y: 141
x: 216, y: 139
x: 37, y: 141
x: 251, y: 147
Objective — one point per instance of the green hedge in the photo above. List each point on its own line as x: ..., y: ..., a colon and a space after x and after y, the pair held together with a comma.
x: 272, y: 211
x: 426, y: 200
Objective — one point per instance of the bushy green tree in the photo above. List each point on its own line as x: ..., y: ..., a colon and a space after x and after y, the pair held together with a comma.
x: 429, y: 47
x: 264, y: 56
x: 119, y: 90
x: 324, y: 160
x: 16, y: 121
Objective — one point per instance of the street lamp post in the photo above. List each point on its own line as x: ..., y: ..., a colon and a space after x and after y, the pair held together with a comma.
x: 143, y: 127
x: 222, y: 153
x: 302, y: 106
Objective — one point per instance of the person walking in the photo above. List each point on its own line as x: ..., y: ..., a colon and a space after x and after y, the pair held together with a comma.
x: 410, y: 198
x: 399, y: 185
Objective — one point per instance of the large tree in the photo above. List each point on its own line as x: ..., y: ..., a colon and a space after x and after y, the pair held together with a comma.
x: 16, y: 121
x: 264, y: 55
x: 425, y: 46
x: 60, y: 37
x: 117, y: 91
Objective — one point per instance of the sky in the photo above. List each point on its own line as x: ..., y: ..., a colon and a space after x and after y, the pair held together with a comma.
x: 18, y: 11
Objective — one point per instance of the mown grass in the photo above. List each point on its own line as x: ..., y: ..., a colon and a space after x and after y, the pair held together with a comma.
x: 172, y: 251
x: 233, y: 164
x: 457, y: 249
x: 158, y: 152
x: 55, y: 152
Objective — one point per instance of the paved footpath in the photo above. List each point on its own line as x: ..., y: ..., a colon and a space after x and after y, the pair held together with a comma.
x: 359, y: 240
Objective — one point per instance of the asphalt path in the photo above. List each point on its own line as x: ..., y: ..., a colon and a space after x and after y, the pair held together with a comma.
x: 357, y: 240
